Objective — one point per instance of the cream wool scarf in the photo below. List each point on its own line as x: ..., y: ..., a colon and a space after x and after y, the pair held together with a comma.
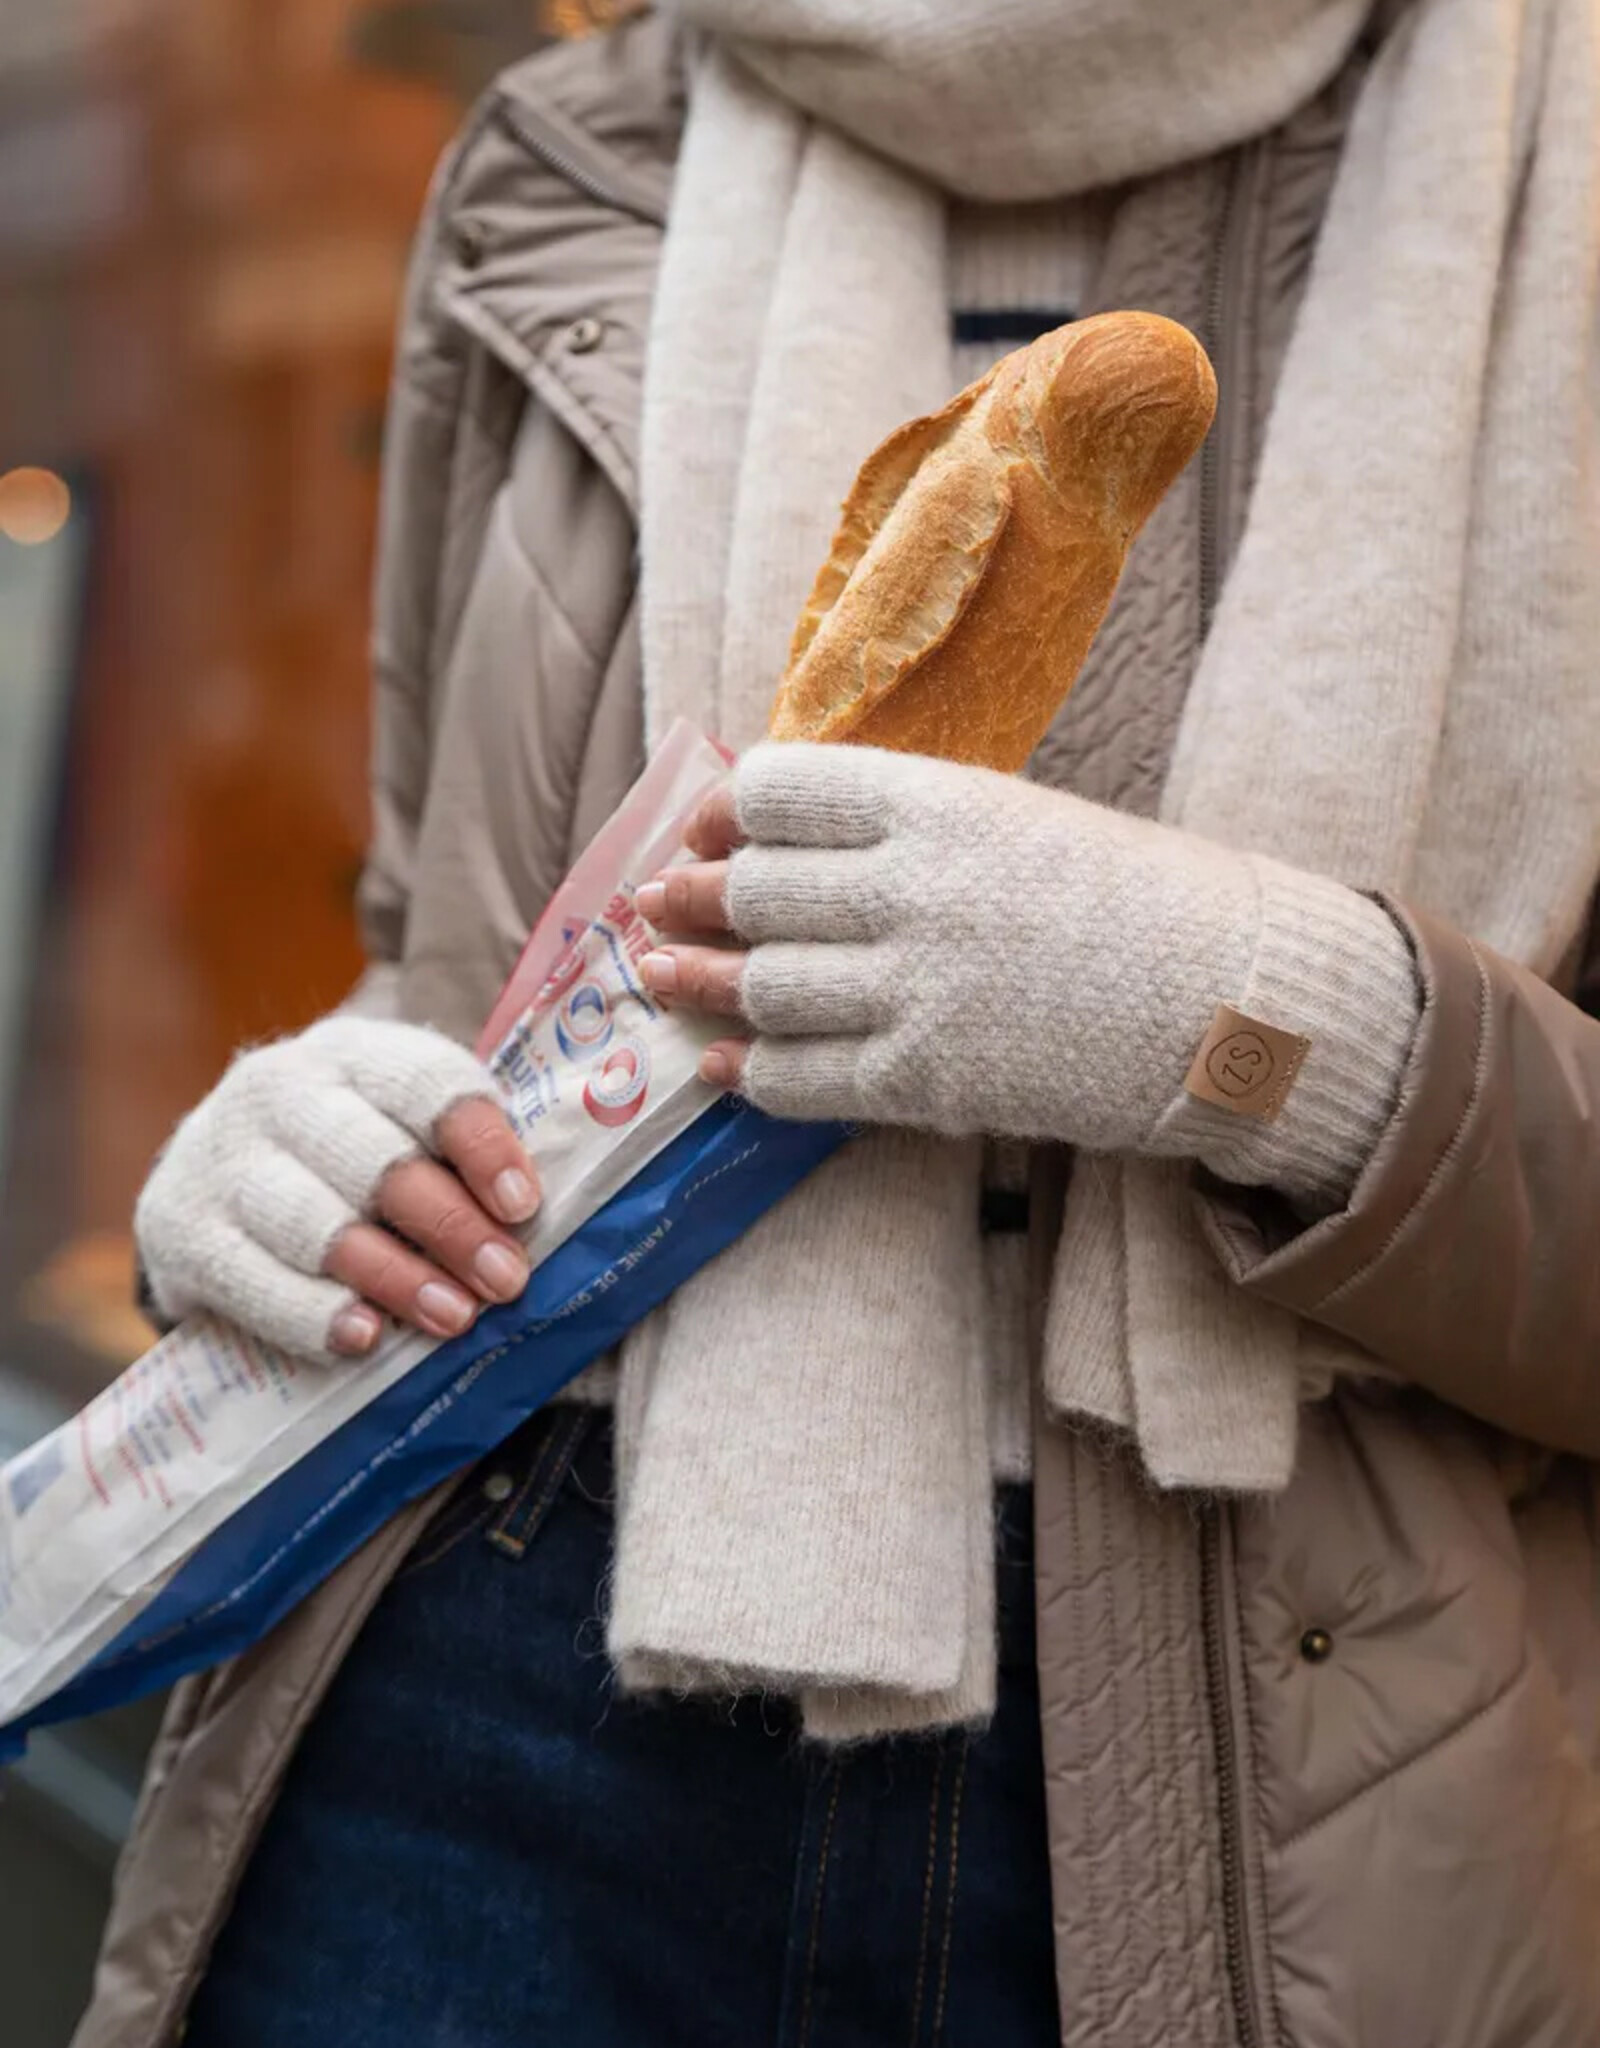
x: 1396, y: 692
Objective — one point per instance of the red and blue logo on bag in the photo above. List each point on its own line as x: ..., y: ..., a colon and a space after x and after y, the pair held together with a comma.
x: 584, y: 1022
x: 685, y: 1202
x: 614, y: 1093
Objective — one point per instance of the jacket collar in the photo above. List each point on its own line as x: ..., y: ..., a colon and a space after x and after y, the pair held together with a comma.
x: 551, y: 217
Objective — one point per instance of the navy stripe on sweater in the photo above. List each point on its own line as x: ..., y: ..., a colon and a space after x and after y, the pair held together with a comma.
x: 1013, y: 324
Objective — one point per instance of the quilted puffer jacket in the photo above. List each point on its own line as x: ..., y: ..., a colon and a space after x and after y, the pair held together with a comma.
x: 1324, y: 1773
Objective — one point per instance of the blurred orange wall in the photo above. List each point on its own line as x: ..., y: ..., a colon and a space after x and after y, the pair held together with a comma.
x: 203, y: 330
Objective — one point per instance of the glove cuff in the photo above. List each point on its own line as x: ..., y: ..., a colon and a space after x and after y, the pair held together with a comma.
x: 1333, y: 966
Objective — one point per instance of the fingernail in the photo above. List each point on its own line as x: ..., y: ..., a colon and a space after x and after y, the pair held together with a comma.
x: 502, y: 1273
x: 354, y: 1329
x: 660, y: 972
x: 446, y: 1308
x: 716, y: 1068
x: 515, y: 1195
x: 652, y: 901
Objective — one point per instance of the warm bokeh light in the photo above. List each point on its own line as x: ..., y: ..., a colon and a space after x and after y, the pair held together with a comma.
x: 34, y: 506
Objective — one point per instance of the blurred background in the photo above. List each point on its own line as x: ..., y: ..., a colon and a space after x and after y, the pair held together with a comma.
x: 205, y: 207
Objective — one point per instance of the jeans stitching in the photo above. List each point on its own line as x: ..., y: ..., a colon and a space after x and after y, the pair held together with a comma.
x: 488, y: 1517
x: 502, y: 1518
x: 927, y: 1894
x: 950, y: 1894
x: 566, y: 1456
x: 837, y: 1768
x: 561, y: 1444
x: 447, y: 1543
x: 488, y: 1512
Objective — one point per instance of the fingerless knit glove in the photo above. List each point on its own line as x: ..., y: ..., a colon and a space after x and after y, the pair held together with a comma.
x: 949, y: 948
x: 285, y: 1152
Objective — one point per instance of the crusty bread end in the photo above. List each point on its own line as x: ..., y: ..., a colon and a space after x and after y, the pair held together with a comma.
x: 979, y: 548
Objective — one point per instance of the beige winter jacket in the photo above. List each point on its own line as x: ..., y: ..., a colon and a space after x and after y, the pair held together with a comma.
x: 1323, y: 1773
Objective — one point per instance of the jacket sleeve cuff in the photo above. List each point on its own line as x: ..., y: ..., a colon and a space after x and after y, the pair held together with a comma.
x: 1302, y: 1263
x: 1464, y: 1259
x: 1338, y: 969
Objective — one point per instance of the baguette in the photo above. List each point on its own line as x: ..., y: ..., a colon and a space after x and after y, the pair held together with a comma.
x: 979, y: 547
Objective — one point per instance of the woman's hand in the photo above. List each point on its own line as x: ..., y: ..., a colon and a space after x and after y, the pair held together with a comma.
x: 940, y: 946
x: 359, y: 1169
x: 692, y: 900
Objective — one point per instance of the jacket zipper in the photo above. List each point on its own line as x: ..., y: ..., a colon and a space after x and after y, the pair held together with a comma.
x: 1224, y: 285
x: 1216, y: 457
x: 534, y: 138
x: 1244, y: 1991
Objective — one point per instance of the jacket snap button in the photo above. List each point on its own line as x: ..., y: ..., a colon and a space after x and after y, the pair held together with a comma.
x: 471, y: 239
x: 497, y: 1486
x: 584, y: 335
x: 1316, y: 1646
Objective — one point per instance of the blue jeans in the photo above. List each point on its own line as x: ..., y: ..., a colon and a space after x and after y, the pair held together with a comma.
x: 481, y: 1844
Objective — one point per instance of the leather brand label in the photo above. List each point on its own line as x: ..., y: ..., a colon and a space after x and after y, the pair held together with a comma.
x: 1245, y: 1065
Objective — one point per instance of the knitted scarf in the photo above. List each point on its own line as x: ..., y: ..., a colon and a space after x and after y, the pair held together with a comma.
x: 1395, y: 692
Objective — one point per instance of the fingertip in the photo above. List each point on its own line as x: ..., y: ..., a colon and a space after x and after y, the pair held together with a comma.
x: 354, y: 1330
x: 443, y: 1309
x: 478, y: 1139
x: 722, y: 1064
x: 658, y: 970
x: 713, y: 831
x: 516, y: 1195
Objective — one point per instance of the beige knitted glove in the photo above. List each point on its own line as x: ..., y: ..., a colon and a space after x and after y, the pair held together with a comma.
x: 948, y: 948
x: 285, y: 1152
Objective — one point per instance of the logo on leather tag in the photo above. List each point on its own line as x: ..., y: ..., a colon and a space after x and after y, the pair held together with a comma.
x: 1245, y: 1065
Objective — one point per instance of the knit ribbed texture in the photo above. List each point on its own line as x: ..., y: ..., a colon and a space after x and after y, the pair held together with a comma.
x: 1012, y: 260
x: 1334, y: 967
x: 737, y: 1600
